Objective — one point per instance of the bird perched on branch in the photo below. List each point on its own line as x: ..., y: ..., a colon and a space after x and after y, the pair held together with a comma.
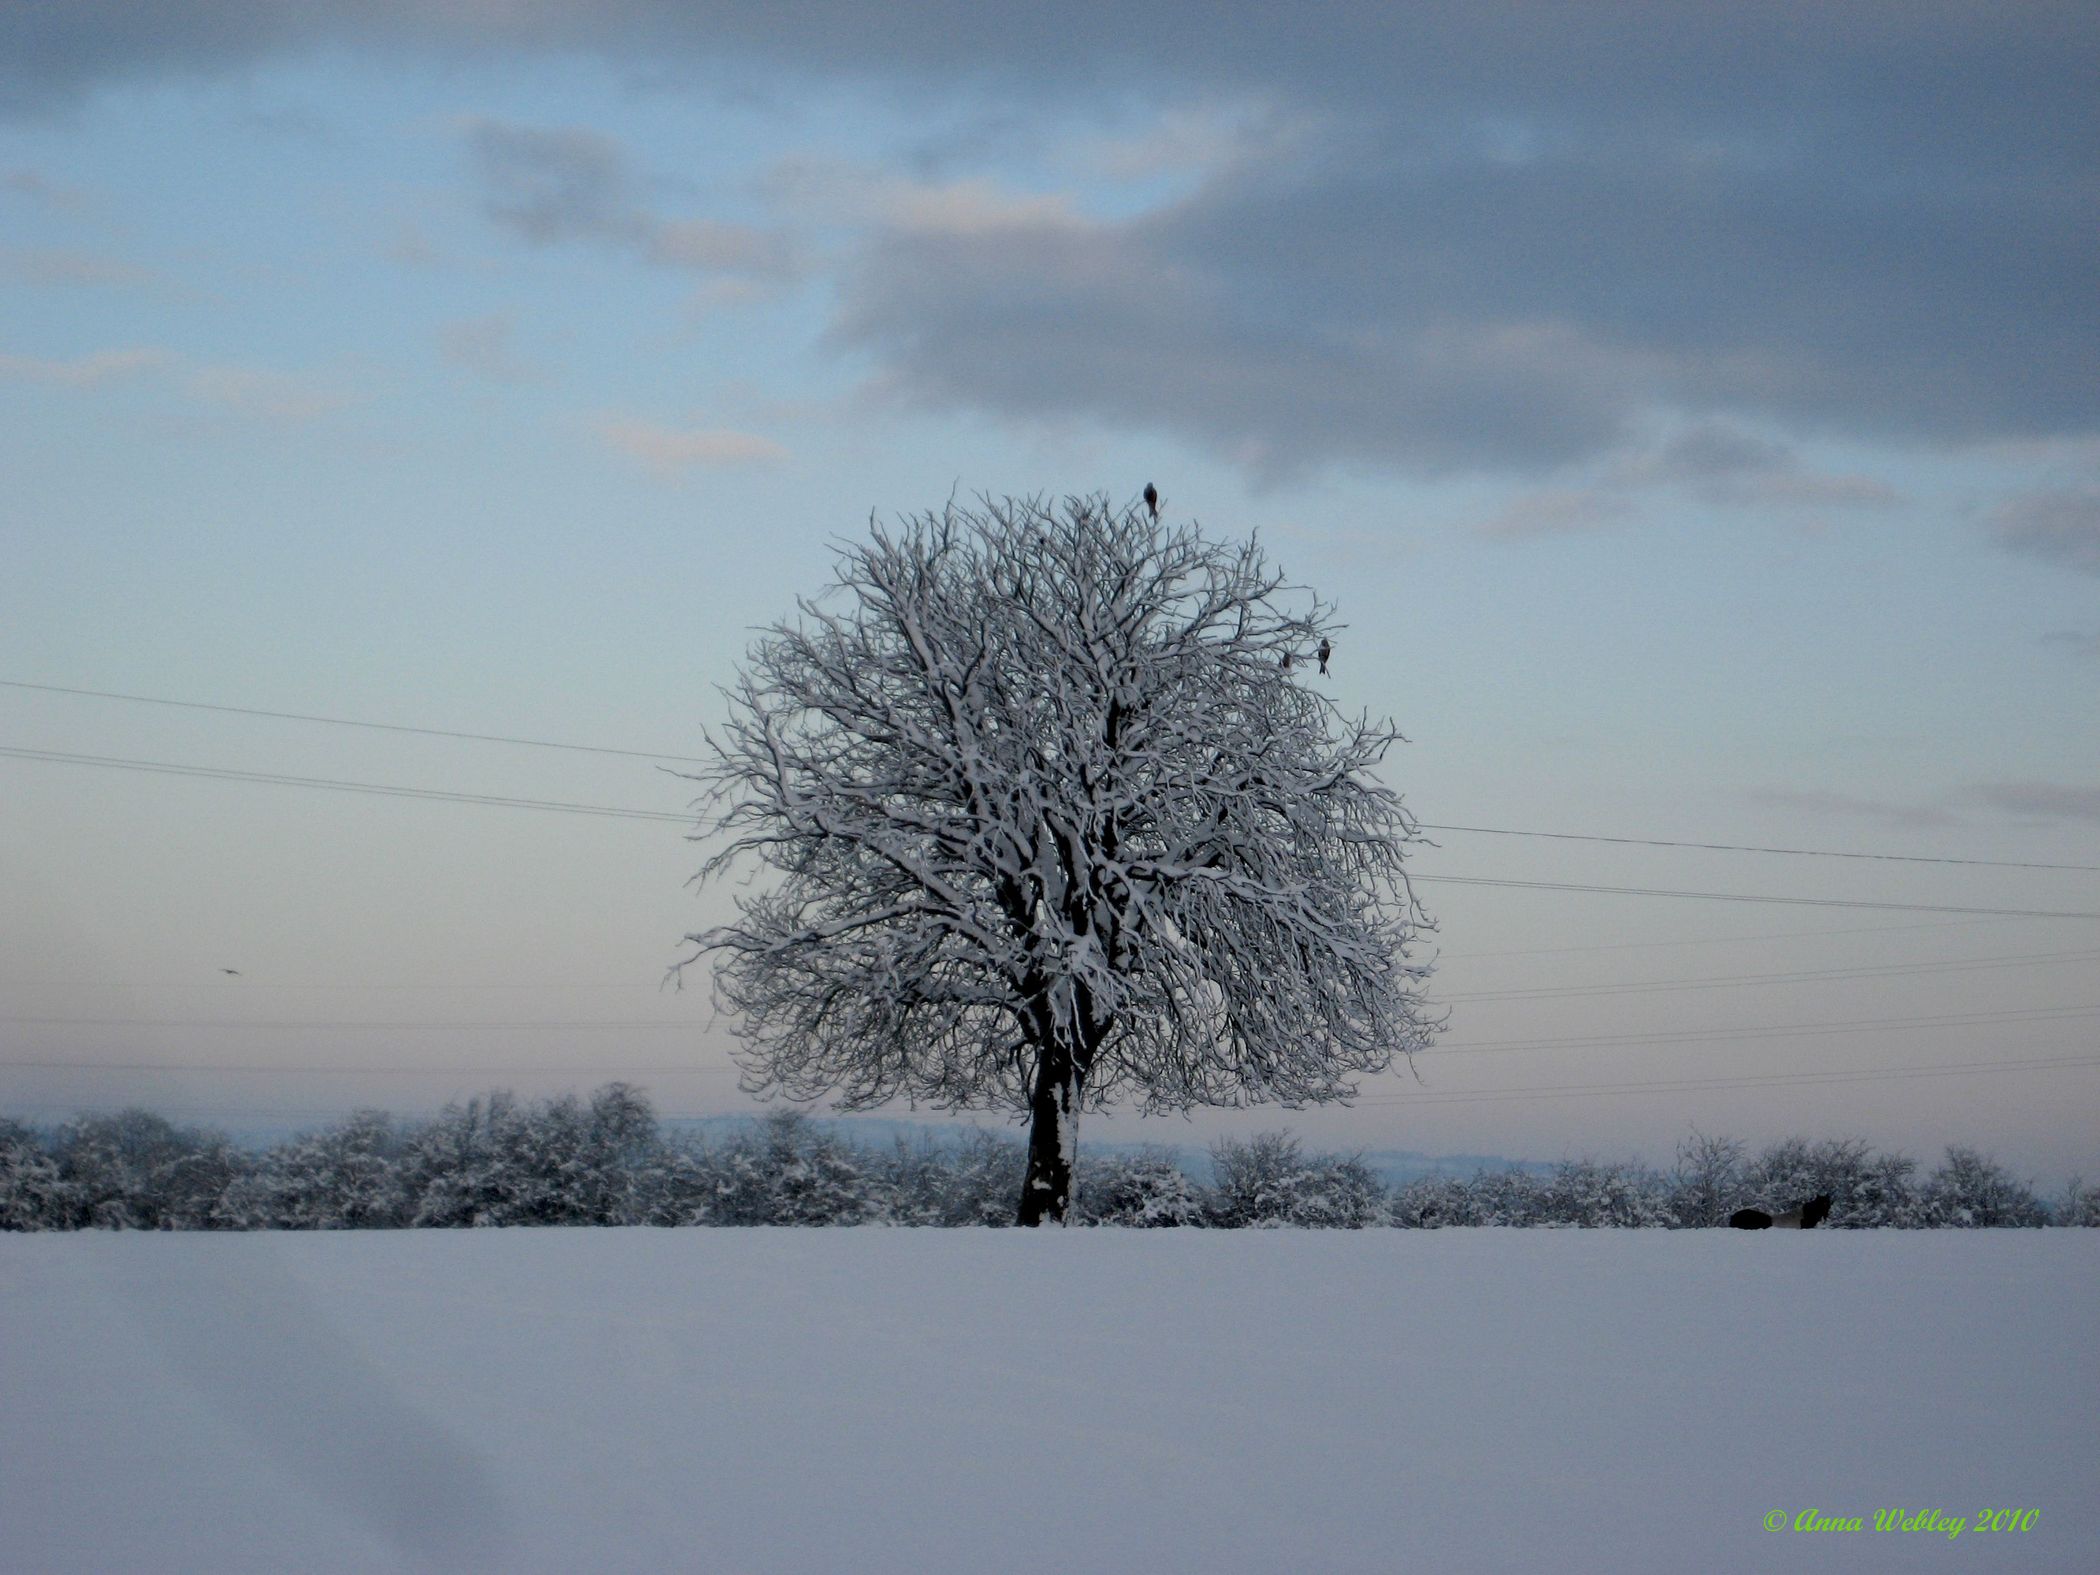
x: 1285, y: 664
x: 1326, y: 650
x: 1152, y: 499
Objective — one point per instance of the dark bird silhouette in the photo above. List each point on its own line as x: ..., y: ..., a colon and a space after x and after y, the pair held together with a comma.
x: 1802, y: 1216
x: 1326, y: 650
x: 1152, y: 500
x: 1285, y: 664
x: 234, y: 971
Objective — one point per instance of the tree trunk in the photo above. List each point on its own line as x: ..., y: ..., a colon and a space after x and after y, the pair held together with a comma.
x: 1047, y: 1190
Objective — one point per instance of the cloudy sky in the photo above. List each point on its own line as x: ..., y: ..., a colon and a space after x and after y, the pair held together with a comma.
x: 1694, y: 412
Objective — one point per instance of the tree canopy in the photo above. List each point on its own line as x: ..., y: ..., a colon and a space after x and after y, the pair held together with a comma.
x: 1049, y: 819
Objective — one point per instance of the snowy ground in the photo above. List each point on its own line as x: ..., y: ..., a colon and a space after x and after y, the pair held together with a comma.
x: 892, y: 1400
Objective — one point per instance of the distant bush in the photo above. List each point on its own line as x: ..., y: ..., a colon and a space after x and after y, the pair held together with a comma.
x: 1145, y: 1189
x: 2080, y: 1205
x: 1575, y: 1194
x: 1970, y: 1190
x: 606, y: 1160
x: 1268, y: 1180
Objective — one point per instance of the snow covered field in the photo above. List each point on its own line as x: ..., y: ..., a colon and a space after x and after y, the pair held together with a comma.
x: 894, y: 1400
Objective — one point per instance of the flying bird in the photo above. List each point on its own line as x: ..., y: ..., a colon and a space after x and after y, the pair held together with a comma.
x: 234, y: 971
x: 1152, y: 500
x: 1326, y: 650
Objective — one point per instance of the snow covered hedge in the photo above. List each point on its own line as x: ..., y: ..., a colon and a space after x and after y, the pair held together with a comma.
x: 606, y: 1160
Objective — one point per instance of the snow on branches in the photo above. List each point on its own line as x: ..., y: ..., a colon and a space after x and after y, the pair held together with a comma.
x: 1052, y: 821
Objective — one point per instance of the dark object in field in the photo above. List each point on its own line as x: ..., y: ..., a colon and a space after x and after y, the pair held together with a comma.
x: 1802, y: 1216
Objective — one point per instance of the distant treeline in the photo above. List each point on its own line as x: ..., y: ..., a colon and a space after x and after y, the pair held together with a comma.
x: 606, y: 1160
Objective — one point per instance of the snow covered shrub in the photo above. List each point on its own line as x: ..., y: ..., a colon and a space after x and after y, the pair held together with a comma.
x: 978, y: 1178
x: 1148, y: 1188
x: 790, y: 1172
x: 1707, y: 1184
x: 1268, y: 1180
x: 451, y: 1169
x: 559, y: 1162
x: 344, y: 1177
x: 1973, y: 1191
x: 137, y: 1171
x: 32, y: 1197
x: 1866, y: 1188
x: 1509, y: 1197
x: 2080, y: 1205
x: 1589, y: 1194
x: 1430, y: 1203
x: 913, y: 1178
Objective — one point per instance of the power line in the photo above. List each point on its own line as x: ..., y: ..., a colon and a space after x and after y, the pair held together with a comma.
x: 277, y: 779
x: 615, y: 1025
x: 1740, y: 847
x: 490, y: 800
x: 1490, y: 1096
x: 249, y: 985
x: 421, y: 1026
x: 1719, y: 981
x: 341, y: 721
x: 362, y: 1071
x: 1706, y: 940
x: 643, y: 754
x: 1728, y: 896
x: 1717, y: 1084
x: 1646, y: 1039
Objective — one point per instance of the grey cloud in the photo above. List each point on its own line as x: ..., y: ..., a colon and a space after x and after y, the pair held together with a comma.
x: 39, y: 188
x: 2079, y: 641
x: 2062, y: 528
x: 1726, y: 465
x: 1963, y: 79
x: 1555, y: 511
x: 45, y: 267
x: 1532, y: 229
x: 1886, y: 812
x: 485, y: 346
x: 1132, y: 325
x: 2047, y: 801
x: 1465, y: 315
x: 555, y: 184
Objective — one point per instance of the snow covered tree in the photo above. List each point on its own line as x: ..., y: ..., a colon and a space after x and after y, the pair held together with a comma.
x: 790, y: 1172
x: 32, y: 1197
x: 1866, y: 1188
x: 1053, y: 822
x: 1593, y: 1194
x: 137, y: 1171
x: 1268, y: 1180
x: 343, y: 1177
x: 2080, y: 1205
x: 1707, y: 1185
x: 1148, y: 1189
x: 1971, y: 1190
